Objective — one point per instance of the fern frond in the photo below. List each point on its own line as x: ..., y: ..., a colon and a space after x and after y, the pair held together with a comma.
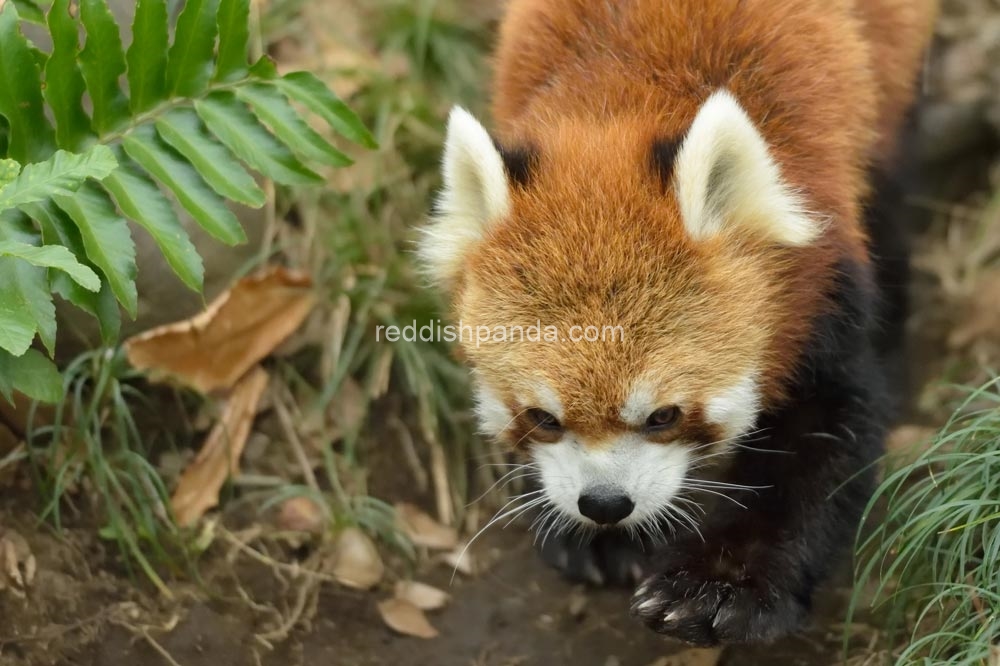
x: 196, y: 119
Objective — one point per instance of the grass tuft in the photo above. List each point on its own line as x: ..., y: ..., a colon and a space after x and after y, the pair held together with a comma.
x: 92, y: 451
x: 934, y: 560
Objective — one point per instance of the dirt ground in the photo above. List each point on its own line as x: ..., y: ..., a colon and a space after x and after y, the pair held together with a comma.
x: 81, y: 612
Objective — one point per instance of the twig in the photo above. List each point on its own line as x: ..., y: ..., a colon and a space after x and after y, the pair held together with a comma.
x: 307, y: 593
x: 292, y: 569
x: 410, y: 452
x: 162, y: 651
x: 296, y: 443
x: 439, y: 472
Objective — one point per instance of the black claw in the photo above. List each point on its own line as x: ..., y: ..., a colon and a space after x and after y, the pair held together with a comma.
x: 705, y: 613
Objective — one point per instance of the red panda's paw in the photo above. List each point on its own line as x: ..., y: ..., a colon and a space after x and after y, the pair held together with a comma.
x: 608, y: 558
x: 705, y: 612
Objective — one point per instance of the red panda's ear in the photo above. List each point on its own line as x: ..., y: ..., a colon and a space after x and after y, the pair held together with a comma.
x: 475, y: 193
x: 727, y: 181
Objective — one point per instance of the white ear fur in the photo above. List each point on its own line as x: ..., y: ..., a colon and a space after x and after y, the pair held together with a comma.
x: 475, y: 194
x: 726, y: 178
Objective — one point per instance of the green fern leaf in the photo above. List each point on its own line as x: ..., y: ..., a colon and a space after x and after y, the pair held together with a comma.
x: 305, y: 88
x: 234, y: 39
x: 160, y: 160
x: 57, y: 228
x: 195, y: 120
x: 52, y: 256
x: 182, y: 130
x: 20, y: 284
x: 31, y: 374
x: 140, y: 199
x: 103, y: 63
x: 61, y: 174
x: 8, y: 172
x: 147, y: 55
x: 273, y: 109
x: 30, y: 137
x: 106, y: 239
x: 189, y: 64
x: 30, y: 11
x: 64, y: 86
x: 235, y: 126
x: 24, y: 292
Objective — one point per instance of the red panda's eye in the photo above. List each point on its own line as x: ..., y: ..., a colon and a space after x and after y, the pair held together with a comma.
x: 542, y: 419
x: 663, y: 418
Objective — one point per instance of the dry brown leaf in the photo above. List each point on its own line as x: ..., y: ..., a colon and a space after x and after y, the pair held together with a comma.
x: 423, y: 596
x: 995, y: 655
x: 17, y: 564
x: 356, y: 562
x: 404, y: 617
x: 300, y: 514
x: 212, y: 350
x: 199, y: 485
x: 424, y: 530
x: 460, y: 560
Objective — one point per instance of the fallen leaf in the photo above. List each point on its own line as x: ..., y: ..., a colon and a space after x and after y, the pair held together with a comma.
x: 212, y: 350
x: 423, y: 596
x: 199, y: 485
x: 301, y: 514
x: 17, y: 564
x: 994, y: 655
x: 356, y: 562
x: 460, y: 560
x: 424, y: 530
x: 404, y: 617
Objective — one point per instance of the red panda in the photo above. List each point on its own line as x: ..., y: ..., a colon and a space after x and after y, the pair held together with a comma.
x: 695, y: 174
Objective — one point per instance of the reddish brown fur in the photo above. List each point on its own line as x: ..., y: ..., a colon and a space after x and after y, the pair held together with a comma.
x: 590, y: 85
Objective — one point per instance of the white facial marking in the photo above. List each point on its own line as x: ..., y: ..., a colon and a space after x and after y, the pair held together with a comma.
x: 494, y: 417
x: 475, y: 193
x: 545, y: 397
x: 640, y: 403
x: 726, y: 178
x: 736, y: 408
x: 650, y: 474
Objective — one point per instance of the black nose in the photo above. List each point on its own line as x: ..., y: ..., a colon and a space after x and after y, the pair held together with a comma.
x: 605, y: 506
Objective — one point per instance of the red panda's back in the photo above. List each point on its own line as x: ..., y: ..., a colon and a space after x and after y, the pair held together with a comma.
x: 825, y: 79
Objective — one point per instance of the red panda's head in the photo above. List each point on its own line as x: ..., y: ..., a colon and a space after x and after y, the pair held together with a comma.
x: 669, y: 250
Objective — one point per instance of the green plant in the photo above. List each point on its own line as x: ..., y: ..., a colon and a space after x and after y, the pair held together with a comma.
x: 93, y: 449
x: 429, y: 55
x: 444, y: 48
x: 935, y: 557
x: 194, y: 114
